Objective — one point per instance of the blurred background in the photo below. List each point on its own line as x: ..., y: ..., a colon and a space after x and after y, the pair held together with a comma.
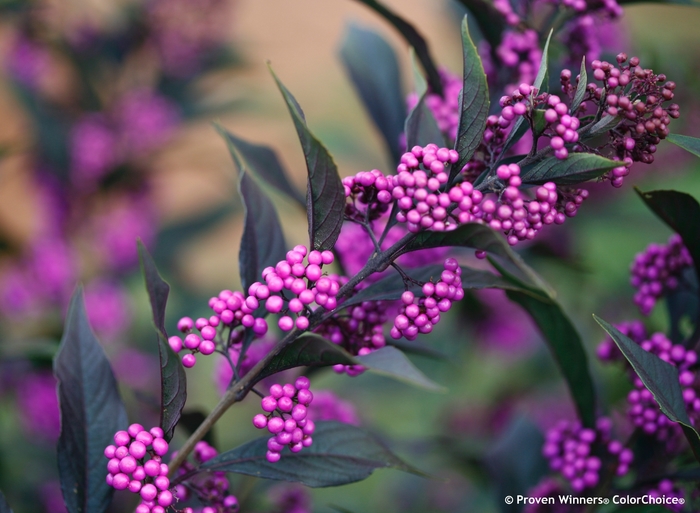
x: 106, y: 136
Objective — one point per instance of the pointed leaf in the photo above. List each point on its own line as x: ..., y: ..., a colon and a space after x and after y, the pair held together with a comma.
x: 262, y: 244
x: 392, y: 286
x: 542, y: 85
x: 605, y: 124
x: 391, y: 362
x: 576, y: 168
x: 173, y: 380
x: 414, y: 39
x: 157, y: 289
x: 474, y: 103
x: 340, y: 454
x: 691, y: 144
x: 421, y: 127
x: 325, y: 198
x: 4, y: 506
x: 660, y: 378
x: 481, y: 237
x: 681, y: 212
x: 567, y: 349
x: 491, y: 22
x: 91, y: 413
x: 374, y: 71
x: 263, y: 162
x: 581, y: 87
x: 311, y: 350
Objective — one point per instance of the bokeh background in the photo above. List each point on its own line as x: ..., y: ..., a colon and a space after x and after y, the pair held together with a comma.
x: 106, y: 135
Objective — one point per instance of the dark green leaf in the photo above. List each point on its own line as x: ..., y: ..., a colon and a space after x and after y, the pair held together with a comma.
x: 262, y: 243
x: 4, y: 506
x: 91, y: 412
x: 515, y: 462
x: 542, y: 85
x: 157, y: 289
x: 581, y: 87
x: 421, y: 127
x: 391, y: 362
x: 576, y: 168
x: 683, y: 305
x: 312, y: 350
x: 414, y: 39
x: 474, y: 103
x: 325, y: 198
x: 481, y: 237
x: 691, y: 144
x: 341, y: 454
x: 309, y: 350
x: 173, y: 380
x: 565, y: 345
x: 605, y: 124
x: 660, y: 378
x: 392, y: 286
x: 263, y: 162
x: 681, y: 212
x: 374, y: 71
x: 491, y: 22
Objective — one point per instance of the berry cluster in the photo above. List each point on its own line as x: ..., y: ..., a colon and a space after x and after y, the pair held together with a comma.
x: 562, y: 124
x: 135, y: 464
x: 521, y: 218
x: 211, y: 488
x: 369, y: 193
x: 657, y: 271
x: 637, y: 96
x: 520, y: 49
x: 306, y: 282
x: 328, y: 406
x: 291, y: 428
x: 423, y: 171
x: 665, y: 488
x: 420, y: 315
x: 231, y: 310
x: 571, y: 451
x: 359, y: 331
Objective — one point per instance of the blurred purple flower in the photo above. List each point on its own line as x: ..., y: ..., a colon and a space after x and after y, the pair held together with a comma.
x: 93, y: 148
x: 52, y: 497
x: 27, y: 61
x: 504, y: 327
x: 37, y: 402
x: 108, y: 307
x: 328, y: 406
x: 289, y: 498
x: 145, y: 119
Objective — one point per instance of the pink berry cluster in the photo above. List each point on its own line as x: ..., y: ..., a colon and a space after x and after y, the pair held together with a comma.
x: 231, y: 310
x: 657, y: 271
x: 638, y: 97
x: 307, y: 285
x: 359, y: 332
x: 369, y: 194
x: 562, y: 124
x: 210, y: 488
x: 520, y: 50
x: 136, y: 464
x: 445, y: 109
x: 289, y: 427
x: 328, y: 406
x: 666, y: 488
x: 521, y: 218
x: 421, y: 314
x: 571, y: 451
x: 423, y: 171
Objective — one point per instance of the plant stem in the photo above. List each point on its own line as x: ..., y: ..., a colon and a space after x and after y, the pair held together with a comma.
x: 239, y: 390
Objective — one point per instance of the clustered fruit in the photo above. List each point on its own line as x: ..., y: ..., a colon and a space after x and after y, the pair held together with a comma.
x: 579, y: 453
x: 289, y: 427
x: 136, y: 464
x: 657, y: 271
x: 210, y: 488
x: 421, y: 314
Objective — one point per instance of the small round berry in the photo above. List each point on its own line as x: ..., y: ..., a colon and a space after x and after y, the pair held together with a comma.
x: 121, y: 481
x: 149, y: 492
x: 189, y: 360
x: 260, y: 421
x: 273, y: 457
x: 151, y: 468
x: 285, y: 404
x: 185, y: 324
x: 121, y: 438
x: 275, y: 425
x: 302, y: 383
x: 109, y: 451
x: 162, y: 482
x: 160, y: 446
x: 304, y: 396
x: 135, y: 486
x: 268, y: 404
x: 165, y: 498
